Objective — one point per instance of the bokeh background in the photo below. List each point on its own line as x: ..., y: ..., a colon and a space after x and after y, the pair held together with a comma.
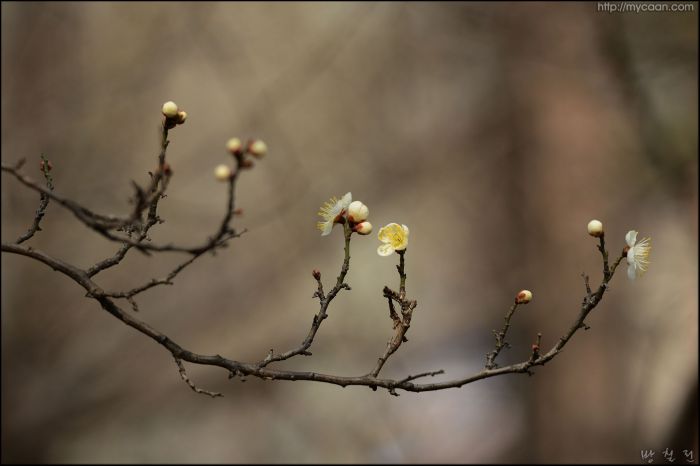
x: 495, y: 132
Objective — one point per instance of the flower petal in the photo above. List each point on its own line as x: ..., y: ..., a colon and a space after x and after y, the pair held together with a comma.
x: 346, y: 200
x: 631, y: 237
x: 630, y: 255
x: 385, y: 250
x: 631, y: 272
x: 405, y: 229
x: 326, y: 228
x: 385, y: 232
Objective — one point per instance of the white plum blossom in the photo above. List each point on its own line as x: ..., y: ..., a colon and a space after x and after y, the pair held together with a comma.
x: 331, y: 212
x: 637, y: 255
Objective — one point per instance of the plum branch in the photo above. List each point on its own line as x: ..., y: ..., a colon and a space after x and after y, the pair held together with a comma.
x: 135, y: 227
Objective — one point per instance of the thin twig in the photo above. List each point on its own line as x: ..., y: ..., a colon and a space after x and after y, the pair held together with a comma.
x: 103, y: 224
x: 500, y: 338
x: 400, y: 324
x: 191, y: 384
x: 85, y: 215
x: 418, y: 376
x: 325, y: 301
x: 43, y: 201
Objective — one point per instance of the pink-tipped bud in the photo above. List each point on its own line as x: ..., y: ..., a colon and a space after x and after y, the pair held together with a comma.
x: 317, y: 274
x: 524, y: 297
x: 363, y: 228
x: 238, y: 211
x: 167, y: 169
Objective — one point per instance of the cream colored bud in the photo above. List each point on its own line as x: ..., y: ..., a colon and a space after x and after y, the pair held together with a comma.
x: 258, y: 148
x: 234, y: 145
x: 222, y: 173
x: 170, y: 109
x: 524, y: 297
x: 364, y: 228
x: 357, y: 212
x: 595, y: 228
x: 181, y: 117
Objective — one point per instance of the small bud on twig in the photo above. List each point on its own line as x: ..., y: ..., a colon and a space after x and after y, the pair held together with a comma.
x: 316, y: 274
x: 49, y: 166
x: 170, y: 109
x: 595, y: 228
x: 181, y: 117
x: 223, y: 173
x: 247, y: 163
x: 524, y: 297
x: 167, y: 170
x: 257, y: 148
x: 234, y: 146
x: 364, y: 228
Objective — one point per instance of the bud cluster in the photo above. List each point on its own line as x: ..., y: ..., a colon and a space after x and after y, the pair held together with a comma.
x: 357, y: 217
x: 173, y: 115
x: 255, y: 147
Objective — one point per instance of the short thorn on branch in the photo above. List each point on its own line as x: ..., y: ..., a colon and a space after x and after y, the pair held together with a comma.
x: 418, y: 376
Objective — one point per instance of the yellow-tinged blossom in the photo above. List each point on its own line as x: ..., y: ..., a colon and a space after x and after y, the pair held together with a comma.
x: 394, y: 237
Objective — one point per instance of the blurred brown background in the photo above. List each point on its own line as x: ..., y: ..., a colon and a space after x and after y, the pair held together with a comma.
x: 495, y: 132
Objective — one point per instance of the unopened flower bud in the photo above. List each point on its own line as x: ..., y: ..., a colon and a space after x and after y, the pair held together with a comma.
x: 317, y: 274
x: 524, y: 297
x: 181, y: 117
x: 48, y: 165
x: 535, y: 348
x: 247, y: 163
x: 357, y: 212
x: 257, y: 148
x: 167, y: 169
x: 222, y: 173
x: 595, y: 228
x: 363, y: 228
x: 238, y: 211
x: 234, y: 145
x: 170, y: 109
